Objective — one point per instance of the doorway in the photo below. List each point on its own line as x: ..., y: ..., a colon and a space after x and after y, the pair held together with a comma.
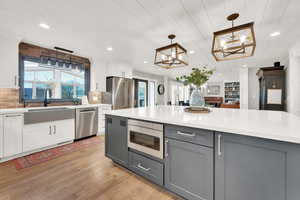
x: 140, y: 93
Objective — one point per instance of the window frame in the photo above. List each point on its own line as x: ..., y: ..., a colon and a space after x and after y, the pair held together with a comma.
x: 22, y: 58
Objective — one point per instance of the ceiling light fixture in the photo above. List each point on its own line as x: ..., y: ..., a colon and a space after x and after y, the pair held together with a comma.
x: 145, y: 62
x: 192, y: 52
x: 235, y: 42
x: 109, y: 48
x: 44, y: 26
x: 274, y: 34
x: 171, y: 56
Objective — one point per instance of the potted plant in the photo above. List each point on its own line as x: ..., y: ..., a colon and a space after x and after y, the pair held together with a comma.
x: 196, y: 79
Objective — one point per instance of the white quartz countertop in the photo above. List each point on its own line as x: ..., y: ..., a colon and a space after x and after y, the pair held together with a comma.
x: 275, y: 125
x: 23, y: 110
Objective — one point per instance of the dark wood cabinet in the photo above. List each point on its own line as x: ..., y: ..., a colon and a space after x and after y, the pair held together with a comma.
x: 271, y: 79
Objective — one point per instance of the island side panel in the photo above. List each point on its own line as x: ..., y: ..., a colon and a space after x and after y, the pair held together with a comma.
x: 250, y: 168
x: 116, y: 146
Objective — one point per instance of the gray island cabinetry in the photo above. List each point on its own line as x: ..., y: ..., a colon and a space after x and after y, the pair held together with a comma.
x: 189, y: 162
x: 116, y: 139
x: 249, y: 168
x: 202, y: 162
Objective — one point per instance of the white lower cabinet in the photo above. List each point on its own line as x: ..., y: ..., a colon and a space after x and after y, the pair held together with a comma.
x: 1, y: 136
x: 37, y: 136
x: 102, y: 109
x: 64, y: 130
x: 45, y: 134
x: 12, y: 134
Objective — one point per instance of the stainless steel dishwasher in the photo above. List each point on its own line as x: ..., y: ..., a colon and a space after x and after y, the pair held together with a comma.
x: 86, y: 122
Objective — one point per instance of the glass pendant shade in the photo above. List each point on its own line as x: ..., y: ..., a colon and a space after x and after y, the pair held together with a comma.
x: 234, y: 43
x: 171, y: 56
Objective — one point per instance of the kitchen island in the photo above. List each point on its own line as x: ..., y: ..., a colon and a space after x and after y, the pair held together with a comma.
x: 227, y: 154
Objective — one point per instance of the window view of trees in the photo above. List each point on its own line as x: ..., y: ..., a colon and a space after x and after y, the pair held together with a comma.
x: 64, y: 83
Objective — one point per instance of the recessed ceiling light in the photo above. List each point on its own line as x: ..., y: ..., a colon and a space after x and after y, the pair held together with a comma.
x: 192, y: 52
x: 145, y: 62
x: 244, y: 66
x: 274, y: 34
x: 109, y: 48
x: 44, y: 26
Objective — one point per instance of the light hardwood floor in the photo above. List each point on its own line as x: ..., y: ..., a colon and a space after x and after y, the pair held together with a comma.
x: 84, y: 174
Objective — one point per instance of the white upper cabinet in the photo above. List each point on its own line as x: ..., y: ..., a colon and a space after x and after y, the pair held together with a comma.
x: 13, y: 134
x: 9, y: 63
x: 1, y: 136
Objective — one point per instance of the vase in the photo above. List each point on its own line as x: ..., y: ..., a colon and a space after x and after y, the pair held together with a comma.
x: 197, y: 98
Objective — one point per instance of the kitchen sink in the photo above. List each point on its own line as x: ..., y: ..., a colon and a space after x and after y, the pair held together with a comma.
x: 46, y: 109
x: 40, y: 115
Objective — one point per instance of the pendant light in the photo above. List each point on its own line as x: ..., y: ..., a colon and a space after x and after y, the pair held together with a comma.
x: 235, y: 42
x: 171, y: 56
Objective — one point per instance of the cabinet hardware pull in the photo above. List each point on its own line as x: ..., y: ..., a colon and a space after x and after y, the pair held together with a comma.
x: 143, y: 168
x: 219, y: 145
x: 54, y: 127
x: 50, y: 130
x: 13, y: 115
x: 186, y: 134
x: 166, y: 148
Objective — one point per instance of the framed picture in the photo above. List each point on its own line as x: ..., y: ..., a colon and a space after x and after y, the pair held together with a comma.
x: 213, y: 90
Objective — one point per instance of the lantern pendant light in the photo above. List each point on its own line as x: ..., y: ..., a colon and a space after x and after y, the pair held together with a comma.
x: 171, y: 56
x: 235, y: 42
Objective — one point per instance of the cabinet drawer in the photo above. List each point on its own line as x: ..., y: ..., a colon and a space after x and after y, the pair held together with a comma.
x: 196, y: 136
x: 146, y: 167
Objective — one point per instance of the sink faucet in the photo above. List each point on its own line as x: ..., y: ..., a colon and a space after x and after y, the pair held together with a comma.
x: 47, y: 92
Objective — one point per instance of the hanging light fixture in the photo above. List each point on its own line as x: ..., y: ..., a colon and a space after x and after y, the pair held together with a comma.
x: 171, y: 56
x: 235, y: 42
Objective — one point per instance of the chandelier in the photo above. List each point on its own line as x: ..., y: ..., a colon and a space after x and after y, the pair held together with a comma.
x: 235, y: 42
x: 171, y: 56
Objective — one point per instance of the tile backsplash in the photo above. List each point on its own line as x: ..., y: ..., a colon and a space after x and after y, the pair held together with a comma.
x: 9, y: 98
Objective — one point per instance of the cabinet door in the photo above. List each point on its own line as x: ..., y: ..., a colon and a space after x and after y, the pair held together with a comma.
x: 189, y: 170
x: 64, y: 130
x: 1, y: 137
x: 249, y: 168
x: 116, y: 139
x: 13, y: 135
x: 37, y: 136
x: 9, y: 66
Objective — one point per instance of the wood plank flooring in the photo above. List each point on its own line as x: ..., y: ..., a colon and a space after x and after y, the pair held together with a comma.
x: 84, y: 174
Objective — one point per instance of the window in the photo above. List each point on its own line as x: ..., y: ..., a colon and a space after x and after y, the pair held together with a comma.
x: 65, y: 82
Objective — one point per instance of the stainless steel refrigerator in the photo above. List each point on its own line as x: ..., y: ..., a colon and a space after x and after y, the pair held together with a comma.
x: 122, y: 92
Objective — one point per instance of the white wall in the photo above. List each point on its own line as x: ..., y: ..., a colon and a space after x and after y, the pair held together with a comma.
x: 293, y: 81
x: 253, y: 86
x: 9, y: 64
x: 244, y: 89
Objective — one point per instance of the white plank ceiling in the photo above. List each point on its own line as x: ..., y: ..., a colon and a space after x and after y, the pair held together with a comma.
x: 134, y: 28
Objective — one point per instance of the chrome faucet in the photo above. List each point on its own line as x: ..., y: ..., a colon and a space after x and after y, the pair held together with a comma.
x: 47, y: 92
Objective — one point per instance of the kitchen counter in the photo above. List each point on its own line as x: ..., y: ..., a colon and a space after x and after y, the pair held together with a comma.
x: 274, y: 125
x: 23, y: 110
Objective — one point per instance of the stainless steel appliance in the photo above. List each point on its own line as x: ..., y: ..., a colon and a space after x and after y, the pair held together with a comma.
x: 146, y: 137
x: 122, y: 92
x: 86, y: 122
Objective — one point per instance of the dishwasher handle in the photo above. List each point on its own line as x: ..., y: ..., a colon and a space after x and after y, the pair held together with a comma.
x: 87, y: 111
